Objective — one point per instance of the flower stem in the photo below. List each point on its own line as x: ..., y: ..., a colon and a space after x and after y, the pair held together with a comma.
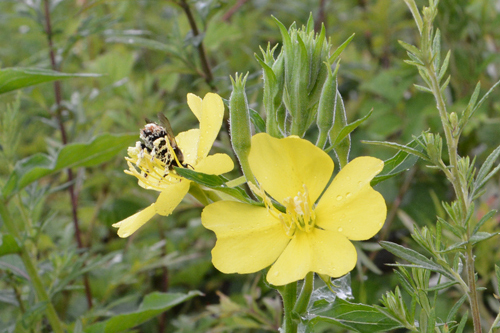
x: 305, y: 294
x: 40, y: 291
x: 289, y: 294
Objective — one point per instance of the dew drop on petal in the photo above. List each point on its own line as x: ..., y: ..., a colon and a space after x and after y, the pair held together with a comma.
x: 348, y: 194
x: 360, y: 183
x: 339, y: 197
x: 340, y: 229
x: 276, y: 273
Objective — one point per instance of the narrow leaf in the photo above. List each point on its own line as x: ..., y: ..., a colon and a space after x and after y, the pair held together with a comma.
x: 257, y: 121
x: 483, y: 220
x: 415, y: 258
x: 214, y: 182
x: 484, y: 173
x: 404, y: 148
x: 455, y: 308
x: 18, y: 77
x: 339, y: 50
x: 153, y: 304
x: 410, y: 48
x: 422, y: 88
x: 97, y: 151
x: 349, y: 128
x: 444, y: 67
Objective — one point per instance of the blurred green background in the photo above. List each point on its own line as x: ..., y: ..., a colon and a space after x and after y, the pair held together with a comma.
x: 149, y: 59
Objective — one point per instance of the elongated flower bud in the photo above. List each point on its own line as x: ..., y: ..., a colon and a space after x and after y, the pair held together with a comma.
x: 239, y: 120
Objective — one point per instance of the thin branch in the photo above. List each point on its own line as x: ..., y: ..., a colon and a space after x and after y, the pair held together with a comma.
x: 207, y: 71
x: 64, y: 139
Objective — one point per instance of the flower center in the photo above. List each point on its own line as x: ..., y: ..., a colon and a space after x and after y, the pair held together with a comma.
x: 299, y: 212
x: 151, y: 172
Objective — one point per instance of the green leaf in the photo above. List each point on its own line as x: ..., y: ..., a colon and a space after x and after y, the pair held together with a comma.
x: 18, y: 77
x: 484, y: 173
x: 352, y: 316
x: 8, y: 245
x: 483, y: 220
x: 410, y: 48
x: 482, y: 236
x: 455, y: 308
x: 214, y: 182
x: 257, y: 121
x: 349, y: 128
x: 397, y: 164
x: 153, y: 304
x: 339, y: 50
x: 415, y: 258
x: 442, y: 286
x: 401, y: 147
x: 100, y: 149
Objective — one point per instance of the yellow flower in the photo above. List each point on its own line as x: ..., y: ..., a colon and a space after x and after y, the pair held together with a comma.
x: 303, y: 236
x: 195, y: 145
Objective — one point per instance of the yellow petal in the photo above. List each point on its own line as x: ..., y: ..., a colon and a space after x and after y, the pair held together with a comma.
x: 188, y: 143
x: 216, y: 164
x: 248, y: 237
x: 194, y: 103
x: 350, y: 205
x: 130, y: 225
x: 171, y: 197
x: 283, y: 166
x: 210, y: 122
x: 320, y: 251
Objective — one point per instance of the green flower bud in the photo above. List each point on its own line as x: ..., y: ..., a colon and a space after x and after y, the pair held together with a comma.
x: 239, y: 120
x: 326, y: 106
x: 273, y: 91
x: 434, y: 147
x: 304, y: 53
x: 453, y: 118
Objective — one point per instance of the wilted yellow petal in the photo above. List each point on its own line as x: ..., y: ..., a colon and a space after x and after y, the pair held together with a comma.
x: 248, y: 237
x: 171, y: 197
x: 320, y: 251
x: 194, y: 103
x: 210, y: 122
x: 216, y: 164
x: 283, y: 166
x: 349, y: 205
x: 130, y: 225
x: 188, y: 143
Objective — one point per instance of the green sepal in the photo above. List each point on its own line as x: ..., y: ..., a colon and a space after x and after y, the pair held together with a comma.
x: 214, y: 182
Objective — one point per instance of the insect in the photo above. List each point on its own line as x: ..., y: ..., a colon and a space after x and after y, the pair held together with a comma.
x: 159, y: 141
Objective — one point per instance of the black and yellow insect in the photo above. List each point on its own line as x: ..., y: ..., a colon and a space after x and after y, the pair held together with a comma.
x: 158, y: 140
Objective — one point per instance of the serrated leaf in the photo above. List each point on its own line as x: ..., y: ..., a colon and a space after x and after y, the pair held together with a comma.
x: 73, y: 155
x: 415, y: 258
x: 20, y: 77
x: 153, y: 304
x: 357, y: 317
x: 214, y: 182
x: 8, y: 245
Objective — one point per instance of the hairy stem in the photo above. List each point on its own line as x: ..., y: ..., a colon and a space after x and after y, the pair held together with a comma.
x: 289, y: 295
x: 461, y: 192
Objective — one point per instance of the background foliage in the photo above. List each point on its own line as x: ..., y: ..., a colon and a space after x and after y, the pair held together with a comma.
x: 148, y: 59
